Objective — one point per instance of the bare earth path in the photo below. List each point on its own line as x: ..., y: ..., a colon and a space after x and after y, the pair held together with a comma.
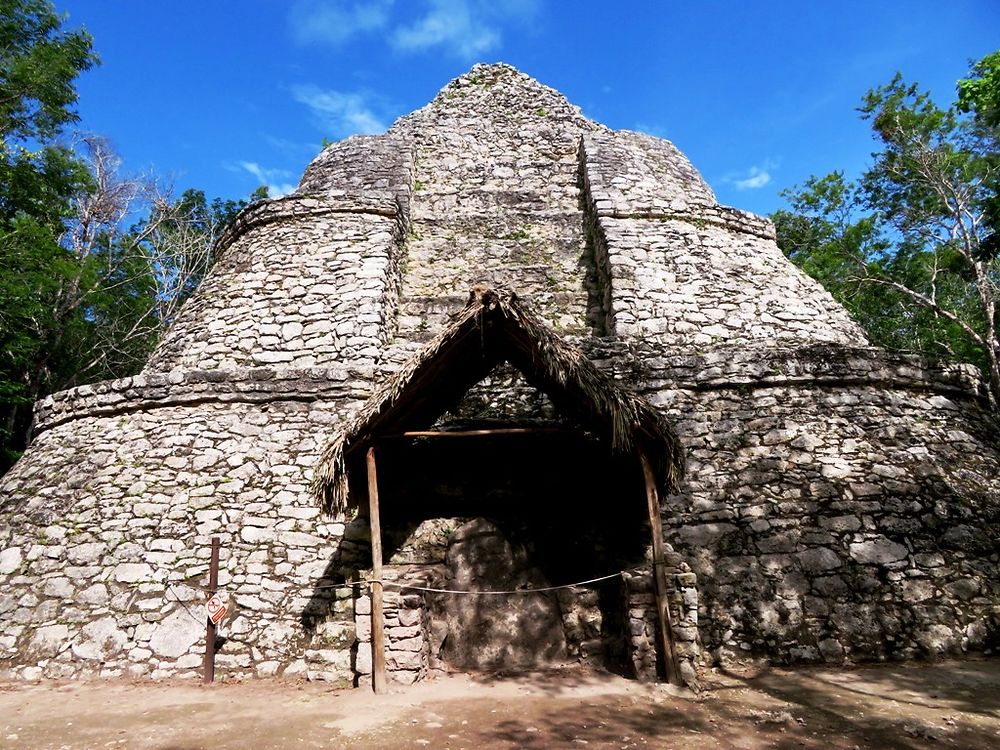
x: 944, y: 705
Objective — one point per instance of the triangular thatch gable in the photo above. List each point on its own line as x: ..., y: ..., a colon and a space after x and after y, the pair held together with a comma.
x: 495, y: 326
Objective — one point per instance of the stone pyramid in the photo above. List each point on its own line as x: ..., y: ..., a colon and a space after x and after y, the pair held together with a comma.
x: 841, y: 502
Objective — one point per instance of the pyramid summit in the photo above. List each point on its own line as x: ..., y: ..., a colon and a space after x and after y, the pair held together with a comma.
x: 838, y: 502
x: 488, y: 183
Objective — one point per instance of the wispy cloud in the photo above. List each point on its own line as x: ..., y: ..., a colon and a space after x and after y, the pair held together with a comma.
x: 758, y: 177
x: 464, y: 28
x: 651, y: 129
x: 341, y: 113
x: 334, y: 21
x: 753, y: 178
x: 454, y: 24
x: 272, y: 178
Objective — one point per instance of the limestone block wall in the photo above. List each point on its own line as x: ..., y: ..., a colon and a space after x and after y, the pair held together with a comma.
x: 495, y: 199
x: 642, y: 626
x: 635, y: 173
x: 105, y: 535
x: 679, y: 269
x: 409, y: 639
x: 362, y: 167
x: 413, y: 644
x: 302, y: 282
x: 839, y: 504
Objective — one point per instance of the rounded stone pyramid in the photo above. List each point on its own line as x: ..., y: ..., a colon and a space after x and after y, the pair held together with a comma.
x: 841, y: 502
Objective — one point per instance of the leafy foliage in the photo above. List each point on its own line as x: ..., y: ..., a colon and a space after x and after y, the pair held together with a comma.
x: 38, y: 65
x: 93, y: 264
x: 980, y: 94
x: 911, y: 247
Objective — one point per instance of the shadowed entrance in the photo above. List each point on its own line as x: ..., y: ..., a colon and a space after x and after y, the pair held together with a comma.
x: 515, y: 512
x: 495, y: 328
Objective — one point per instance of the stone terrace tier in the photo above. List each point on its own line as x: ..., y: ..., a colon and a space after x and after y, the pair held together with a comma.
x: 498, y: 180
x: 840, y: 502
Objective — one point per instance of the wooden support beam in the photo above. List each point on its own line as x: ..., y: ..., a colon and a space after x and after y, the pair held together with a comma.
x: 377, y: 618
x: 208, y: 663
x: 665, y: 631
x: 482, y: 433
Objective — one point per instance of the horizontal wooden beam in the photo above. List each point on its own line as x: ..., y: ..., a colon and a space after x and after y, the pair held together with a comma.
x: 481, y: 433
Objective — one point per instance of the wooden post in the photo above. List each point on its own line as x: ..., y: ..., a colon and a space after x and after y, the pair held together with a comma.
x: 377, y: 618
x: 666, y: 635
x: 208, y: 665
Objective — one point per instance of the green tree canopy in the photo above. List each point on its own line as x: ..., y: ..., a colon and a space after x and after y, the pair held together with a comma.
x: 910, y: 248
x: 93, y: 263
x: 980, y: 93
x: 39, y: 64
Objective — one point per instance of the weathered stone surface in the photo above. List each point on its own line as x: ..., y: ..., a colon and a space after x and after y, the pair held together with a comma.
x: 133, y: 573
x: 174, y: 635
x: 831, y: 649
x: 10, y: 560
x: 819, y: 560
x: 938, y: 639
x: 881, y: 551
x: 49, y: 640
x: 837, y: 497
x: 486, y: 632
x: 100, y: 640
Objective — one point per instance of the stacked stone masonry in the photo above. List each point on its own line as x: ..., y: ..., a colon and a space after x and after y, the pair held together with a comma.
x: 271, y: 303
x: 496, y: 199
x: 841, y: 503
x: 690, y: 277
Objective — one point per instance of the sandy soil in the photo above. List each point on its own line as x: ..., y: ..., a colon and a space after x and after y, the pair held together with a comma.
x: 948, y: 704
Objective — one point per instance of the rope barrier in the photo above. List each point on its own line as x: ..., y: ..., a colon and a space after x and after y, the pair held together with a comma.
x: 414, y: 587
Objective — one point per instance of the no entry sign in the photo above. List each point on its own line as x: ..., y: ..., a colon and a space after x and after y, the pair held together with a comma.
x: 216, y: 609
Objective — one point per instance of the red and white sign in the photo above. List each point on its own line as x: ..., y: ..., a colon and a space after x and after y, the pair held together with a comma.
x: 216, y: 609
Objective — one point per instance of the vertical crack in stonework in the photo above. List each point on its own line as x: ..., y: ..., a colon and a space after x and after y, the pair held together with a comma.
x: 600, y: 311
x: 495, y: 200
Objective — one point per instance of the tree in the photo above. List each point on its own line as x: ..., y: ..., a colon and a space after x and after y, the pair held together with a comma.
x: 92, y: 303
x: 980, y: 93
x: 910, y: 248
x: 136, y: 255
x: 38, y: 66
x: 93, y: 263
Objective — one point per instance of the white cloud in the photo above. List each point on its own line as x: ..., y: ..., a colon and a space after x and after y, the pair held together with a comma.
x: 457, y: 25
x: 270, y: 177
x: 340, y: 113
x: 754, y: 178
x: 336, y: 21
x: 465, y: 28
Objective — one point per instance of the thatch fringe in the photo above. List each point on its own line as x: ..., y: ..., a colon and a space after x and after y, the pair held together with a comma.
x: 495, y: 321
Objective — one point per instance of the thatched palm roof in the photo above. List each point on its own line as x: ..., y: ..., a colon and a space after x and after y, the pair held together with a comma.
x: 495, y: 326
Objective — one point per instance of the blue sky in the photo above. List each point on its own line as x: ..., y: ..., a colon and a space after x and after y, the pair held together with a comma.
x: 227, y: 95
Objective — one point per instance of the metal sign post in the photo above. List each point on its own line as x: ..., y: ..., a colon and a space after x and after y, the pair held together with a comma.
x: 213, y: 615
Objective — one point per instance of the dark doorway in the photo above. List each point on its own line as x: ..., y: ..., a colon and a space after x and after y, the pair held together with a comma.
x: 514, y: 513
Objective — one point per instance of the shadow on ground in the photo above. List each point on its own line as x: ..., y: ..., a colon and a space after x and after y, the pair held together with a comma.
x: 905, y: 706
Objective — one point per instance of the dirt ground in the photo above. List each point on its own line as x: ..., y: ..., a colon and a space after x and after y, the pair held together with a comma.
x: 947, y: 704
